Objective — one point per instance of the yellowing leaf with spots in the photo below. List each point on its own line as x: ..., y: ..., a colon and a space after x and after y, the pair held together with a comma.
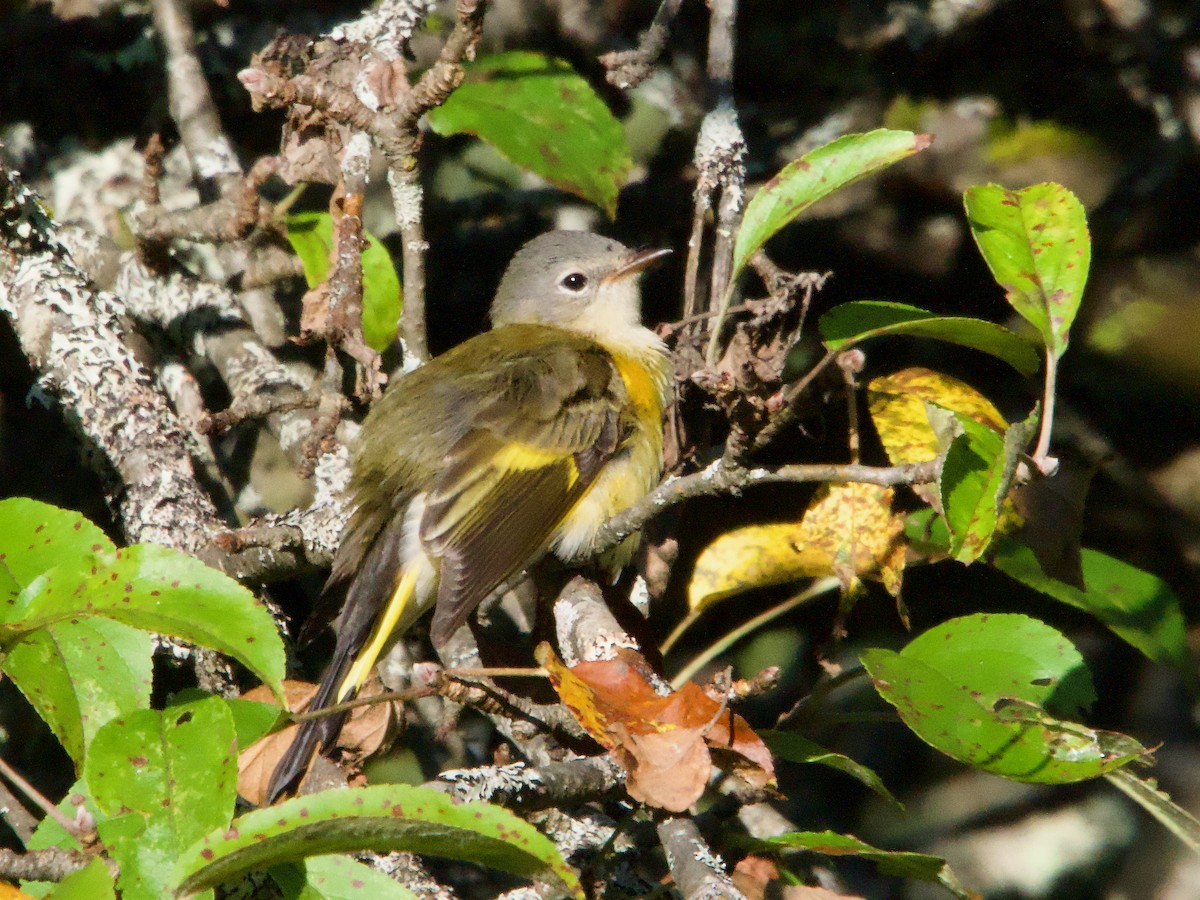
x: 849, y: 530
x: 898, y: 405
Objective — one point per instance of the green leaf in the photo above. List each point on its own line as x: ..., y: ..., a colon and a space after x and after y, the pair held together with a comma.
x: 383, y: 299
x: 311, y: 236
x: 817, y: 174
x: 851, y: 323
x: 183, y: 755
x: 81, y: 673
x: 253, y: 720
x: 336, y: 878
x: 899, y: 863
x: 1173, y: 817
x: 160, y: 590
x: 144, y: 849
x: 794, y: 748
x: 1037, y: 245
x: 36, y: 536
x: 543, y: 117
x: 92, y: 882
x: 1008, y: 656
x: 383, y: 818
x: 167, y: 778
x: 1140, y: 608
x: 976, y: 475
x: 984, y: 689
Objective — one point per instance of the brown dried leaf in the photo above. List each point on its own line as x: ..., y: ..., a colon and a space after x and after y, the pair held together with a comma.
x: 258, y: 761
x: 306, y: 155
x: 364, y: 733
x: 369, y: 728
x: 740, y: 751
x: 667, y: 769
x: 662, y: 739
x: 753, y: 874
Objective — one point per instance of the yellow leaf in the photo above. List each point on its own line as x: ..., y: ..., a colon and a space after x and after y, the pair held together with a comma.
x: 898, y: 408
x: 753, y: 557
x: 848, y: 530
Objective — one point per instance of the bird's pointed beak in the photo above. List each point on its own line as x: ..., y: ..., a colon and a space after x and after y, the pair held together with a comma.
x: 640, y: 260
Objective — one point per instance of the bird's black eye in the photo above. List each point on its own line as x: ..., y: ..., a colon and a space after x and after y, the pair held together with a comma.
x: 575, y: 282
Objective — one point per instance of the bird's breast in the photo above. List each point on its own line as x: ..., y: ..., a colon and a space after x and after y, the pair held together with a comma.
x: 634, y: 470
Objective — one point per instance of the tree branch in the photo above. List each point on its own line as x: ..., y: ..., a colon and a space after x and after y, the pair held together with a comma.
x: 213, y: 159
x: 725, y: 477
x: 52, y: 864
x: 74, y: 339
x: 698, y: 871
x: 626, y: 69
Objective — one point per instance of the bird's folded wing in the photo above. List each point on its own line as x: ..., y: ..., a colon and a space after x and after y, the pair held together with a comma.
x: 511, y: 481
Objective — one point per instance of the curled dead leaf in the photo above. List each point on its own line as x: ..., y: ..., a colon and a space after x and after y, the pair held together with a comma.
x: 365, y: 732
x: 661, y: 737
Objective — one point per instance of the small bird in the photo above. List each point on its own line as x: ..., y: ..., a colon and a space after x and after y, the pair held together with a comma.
x: 521, y: 441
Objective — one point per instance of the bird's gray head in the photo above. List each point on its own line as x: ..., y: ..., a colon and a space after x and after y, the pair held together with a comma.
x: 574, y: 280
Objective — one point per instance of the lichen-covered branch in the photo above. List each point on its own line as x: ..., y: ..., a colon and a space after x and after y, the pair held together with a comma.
x: 74, y: 339
x: 52, y: 864
x: 627, y: 69
x: 389, y: 117
x: 698, y: 871
x: 523, y: 788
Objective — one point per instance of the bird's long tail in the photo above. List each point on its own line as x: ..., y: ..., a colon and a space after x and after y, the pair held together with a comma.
x: 357, y: 650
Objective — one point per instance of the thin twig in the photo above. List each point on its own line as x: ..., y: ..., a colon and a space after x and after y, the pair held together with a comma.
x: 791, y: 397
x: 627, y: 69
x: 404, y: 178
x: 414, y: 693
x: 214, y: 162
x: 691, y: 277
x: 19, y: 819
x: 40, y: 800
x: 668, y: 328
x: 813, y: 700
x: 719, y: 646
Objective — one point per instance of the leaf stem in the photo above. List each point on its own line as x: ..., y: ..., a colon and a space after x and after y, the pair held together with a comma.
x: 1173, y: 817
x: 719, y: 646
x: 1043, y: 444
x: 714, y: 340
x: 497, y: 672
x: 807, y: 706
x: 685, y: 623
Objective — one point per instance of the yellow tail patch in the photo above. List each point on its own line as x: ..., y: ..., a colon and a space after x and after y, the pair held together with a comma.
x: 401, y: 597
